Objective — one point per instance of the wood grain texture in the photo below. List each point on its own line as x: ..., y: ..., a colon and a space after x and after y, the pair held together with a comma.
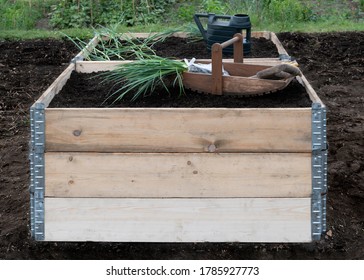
x: 178, y: 130
x: 311, y: 92
x: 178, y: 220
x: 240, y: 82
x: 216, y: 77
x: 96, y: 66
x: 56, y: 86
x: 250, y: 86
x: 177, y: 175
x: 275, y: 40
x: 85, y: 52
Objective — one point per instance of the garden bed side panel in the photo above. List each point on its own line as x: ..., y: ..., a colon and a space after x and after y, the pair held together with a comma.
x: 200, y: 162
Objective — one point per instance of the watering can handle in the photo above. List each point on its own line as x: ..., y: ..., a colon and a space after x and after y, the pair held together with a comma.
x: 211, y: 17
x: 203, y: 31
x: 216, y: 60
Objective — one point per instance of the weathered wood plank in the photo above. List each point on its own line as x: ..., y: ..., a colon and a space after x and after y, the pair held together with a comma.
x: 85, y: 52
x: 275, y: 40
x: 97, y: 66
x: 56, y: 86
x: 178, y: 175
x: 178, y: 220
x: 311, y: 92
x: 256, y: 34
x: 264, y: 34
x: 178, y: 130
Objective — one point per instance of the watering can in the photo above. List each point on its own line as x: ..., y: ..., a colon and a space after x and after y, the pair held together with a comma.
x: 221, y: 28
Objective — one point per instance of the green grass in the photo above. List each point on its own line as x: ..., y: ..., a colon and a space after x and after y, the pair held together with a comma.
x: 82, y: 33
x: 22, y: 14
x: 329, y: 25
x: 328, y: 16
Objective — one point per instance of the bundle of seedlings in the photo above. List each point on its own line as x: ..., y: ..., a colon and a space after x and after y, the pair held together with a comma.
x: 142, y: 76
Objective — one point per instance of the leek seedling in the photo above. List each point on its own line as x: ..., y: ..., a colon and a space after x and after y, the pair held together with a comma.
x: 141, y: 77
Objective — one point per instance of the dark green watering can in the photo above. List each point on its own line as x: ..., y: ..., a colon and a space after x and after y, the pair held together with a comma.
x: 221, y: 28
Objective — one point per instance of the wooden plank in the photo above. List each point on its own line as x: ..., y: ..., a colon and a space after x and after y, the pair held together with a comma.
x: 56, y: 86
x: 311, y: 92
x: 178, y: 220
x: 178, y: 129
x: 85, y: 52
x: 280, y: 48
x: 259, y: 34
x: 256, y: 34
x: 97, y: 66
x: 178, y: 175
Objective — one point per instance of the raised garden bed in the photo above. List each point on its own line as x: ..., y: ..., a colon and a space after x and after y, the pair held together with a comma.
x: 223, y: 173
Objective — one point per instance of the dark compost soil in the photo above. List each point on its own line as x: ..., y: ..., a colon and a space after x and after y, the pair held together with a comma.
x: 87, y: 90
x: 332, y: 62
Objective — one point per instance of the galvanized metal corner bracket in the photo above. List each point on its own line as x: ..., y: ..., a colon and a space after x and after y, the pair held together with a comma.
x: 37, y: 179
x: 319, y: 141
x: 319, y: 171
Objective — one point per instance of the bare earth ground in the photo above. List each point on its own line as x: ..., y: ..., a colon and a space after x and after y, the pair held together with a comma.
x: 332, y: 62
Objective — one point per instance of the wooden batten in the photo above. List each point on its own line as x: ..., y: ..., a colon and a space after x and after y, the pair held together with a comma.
x: 255, y: 34
x: 98, y: 66
x: 84, y: 53
x: 309, y: 89
x: 275, y: 40
x: 178, y: 175
x: 56, y: 86
x: 178, y: 130
x: 178, y: 220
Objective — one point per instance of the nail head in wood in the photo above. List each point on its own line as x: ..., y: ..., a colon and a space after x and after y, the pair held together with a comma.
x: 77, y: 132
x: 211, y: 148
